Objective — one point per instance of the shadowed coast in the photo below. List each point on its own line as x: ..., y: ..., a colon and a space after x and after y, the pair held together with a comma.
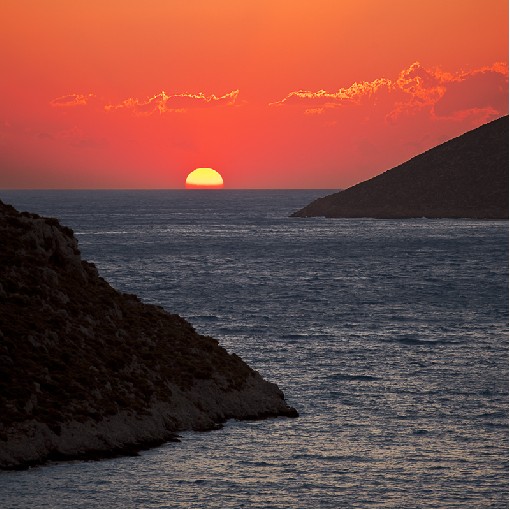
x: 87, y: 371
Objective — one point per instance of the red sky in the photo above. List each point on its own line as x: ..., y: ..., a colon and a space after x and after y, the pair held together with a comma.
x: 270, y: 93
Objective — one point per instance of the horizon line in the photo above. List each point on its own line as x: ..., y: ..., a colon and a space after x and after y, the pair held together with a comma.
x: 167, y: 189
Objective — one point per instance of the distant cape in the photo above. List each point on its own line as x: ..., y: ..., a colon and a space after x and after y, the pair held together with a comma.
x: 466, y: 177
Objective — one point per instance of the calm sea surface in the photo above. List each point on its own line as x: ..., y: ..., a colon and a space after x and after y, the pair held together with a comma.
x: 389, y: 337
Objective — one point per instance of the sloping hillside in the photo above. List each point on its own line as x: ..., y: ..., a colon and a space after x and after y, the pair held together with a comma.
x: 466, y: 177
x: 86, y: 370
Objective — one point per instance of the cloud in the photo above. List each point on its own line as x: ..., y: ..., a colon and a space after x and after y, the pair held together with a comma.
x: 485, y: 89
x: 422, y: 85
x: 71, y: 100
x: 454, y: 94
x: 323, y: 99
x: 177, y: 103
x: 415, y: 89
x: 158, y: 103
x: 479, y: 94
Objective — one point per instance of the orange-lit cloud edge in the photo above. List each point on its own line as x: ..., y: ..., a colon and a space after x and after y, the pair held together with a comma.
x: 416, y: 87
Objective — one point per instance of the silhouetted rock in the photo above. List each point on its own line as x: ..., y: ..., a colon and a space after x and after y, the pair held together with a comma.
x: 86, y: 371
x: 466, y: 177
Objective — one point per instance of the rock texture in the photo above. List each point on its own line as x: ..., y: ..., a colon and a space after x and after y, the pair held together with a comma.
x: 86, y: 370
x: 466, y: 177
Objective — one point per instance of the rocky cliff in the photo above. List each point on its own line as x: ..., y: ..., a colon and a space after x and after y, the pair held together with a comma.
x: 466, y: 177
x: 86, y: 370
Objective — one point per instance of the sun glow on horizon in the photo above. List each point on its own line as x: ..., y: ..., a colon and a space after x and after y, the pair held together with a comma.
x: 204, y: 178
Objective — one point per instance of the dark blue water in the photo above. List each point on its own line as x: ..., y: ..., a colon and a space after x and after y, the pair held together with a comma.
x: 389, y: 336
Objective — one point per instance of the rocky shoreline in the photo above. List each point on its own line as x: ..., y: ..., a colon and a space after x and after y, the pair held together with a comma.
x: 89, y: 372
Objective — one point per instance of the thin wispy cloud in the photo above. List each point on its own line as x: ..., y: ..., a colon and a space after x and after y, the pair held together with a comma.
x: 323, y: 98
x: 158, y: 103
x: 176, y: 103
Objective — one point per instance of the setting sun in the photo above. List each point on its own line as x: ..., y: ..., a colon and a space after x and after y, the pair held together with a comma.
x: 204, y: 178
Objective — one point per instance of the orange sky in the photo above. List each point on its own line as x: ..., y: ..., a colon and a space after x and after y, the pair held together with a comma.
x: 271, y: 93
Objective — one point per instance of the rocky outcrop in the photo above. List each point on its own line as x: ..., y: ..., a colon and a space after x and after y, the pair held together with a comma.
x: 88, y: 371
x: 466, y: 177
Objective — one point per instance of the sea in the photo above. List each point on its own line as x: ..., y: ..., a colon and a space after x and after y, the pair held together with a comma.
x: 390, y: 337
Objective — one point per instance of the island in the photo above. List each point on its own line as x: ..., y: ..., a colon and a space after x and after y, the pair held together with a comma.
x: 88, y: 372
x: 466, y: 177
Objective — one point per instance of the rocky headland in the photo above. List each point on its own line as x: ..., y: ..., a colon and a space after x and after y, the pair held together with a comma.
x: 87, y: 371
x: 466, y: 177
